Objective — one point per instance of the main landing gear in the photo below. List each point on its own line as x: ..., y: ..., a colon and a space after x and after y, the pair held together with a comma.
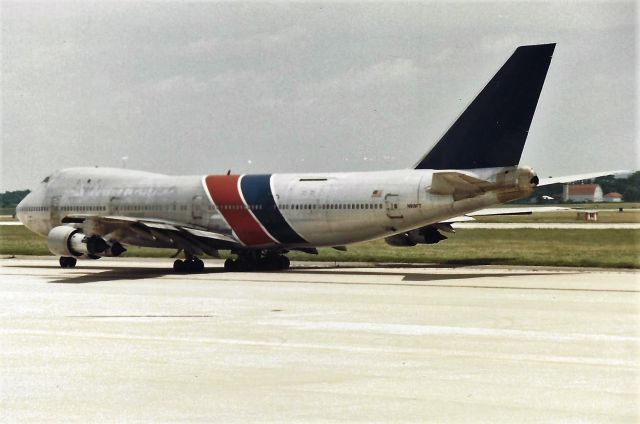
x: 191, y: 264
x: 252, y: 261
x: 68, y: 261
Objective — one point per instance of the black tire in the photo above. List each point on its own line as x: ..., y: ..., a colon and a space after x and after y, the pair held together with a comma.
x: 68, y: 261
x: 273, y: 263
x: 265, y: 263
x: 179, y: 266
x: 198, y: 265
x: 246, y: 265
x: 229, y: 265
x: 284, y: 262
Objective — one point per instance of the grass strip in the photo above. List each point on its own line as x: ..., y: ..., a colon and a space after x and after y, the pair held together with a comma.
x: 551, y: 247
x: 607, y: 216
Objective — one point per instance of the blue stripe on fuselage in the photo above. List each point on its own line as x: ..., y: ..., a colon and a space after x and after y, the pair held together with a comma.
x: 256, y: 190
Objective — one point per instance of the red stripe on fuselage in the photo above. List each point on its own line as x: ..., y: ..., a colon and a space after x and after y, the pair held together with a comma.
x: 224, y: 192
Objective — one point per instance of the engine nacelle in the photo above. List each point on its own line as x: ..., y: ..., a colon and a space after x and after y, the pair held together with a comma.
x: 424, y: 235
x: 70, y: 241
x: 400, y: 240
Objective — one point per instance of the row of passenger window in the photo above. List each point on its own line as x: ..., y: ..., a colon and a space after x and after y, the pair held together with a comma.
x: 154, y: 207
x: 140, y: 208
x: 32, y: 209
x: 331, y: 206
x: 308, y: 206
x: 83, y: 208
x: 239, y: 207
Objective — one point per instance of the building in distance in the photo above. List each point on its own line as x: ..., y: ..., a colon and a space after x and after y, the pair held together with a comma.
x: 582, y: 193
x: 614, y: 196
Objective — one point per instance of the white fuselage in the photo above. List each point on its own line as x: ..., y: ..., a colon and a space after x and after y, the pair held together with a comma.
x: 315, y: 209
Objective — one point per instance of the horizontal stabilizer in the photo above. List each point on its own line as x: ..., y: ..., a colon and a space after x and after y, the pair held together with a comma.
x: 506, y: 211
x: 517, y: 211
x: 578, y: 177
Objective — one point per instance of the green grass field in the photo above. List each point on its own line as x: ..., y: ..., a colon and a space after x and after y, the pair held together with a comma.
x: 607, y: 216
x: 607, y: 213
x: 588, y: 248
x: 7, y: 213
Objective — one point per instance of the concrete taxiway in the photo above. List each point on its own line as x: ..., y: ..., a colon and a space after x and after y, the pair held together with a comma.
x: 128, y: 340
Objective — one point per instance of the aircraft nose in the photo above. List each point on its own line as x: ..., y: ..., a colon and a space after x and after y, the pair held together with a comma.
x: 21, y: 208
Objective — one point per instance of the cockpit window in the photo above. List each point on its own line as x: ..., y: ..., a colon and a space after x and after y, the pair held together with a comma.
x: 46, y: 179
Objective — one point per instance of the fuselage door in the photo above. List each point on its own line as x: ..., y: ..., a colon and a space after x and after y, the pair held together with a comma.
x: 55, y: 210
x: 197, y: 207
x: 391, y: 203
x: 115, y: 206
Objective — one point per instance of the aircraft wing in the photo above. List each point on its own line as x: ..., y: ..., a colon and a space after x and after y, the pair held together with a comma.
x: 578, y: 177
x: 155, y: 233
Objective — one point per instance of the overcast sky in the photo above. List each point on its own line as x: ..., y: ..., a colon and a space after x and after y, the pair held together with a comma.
x: 199, y: 88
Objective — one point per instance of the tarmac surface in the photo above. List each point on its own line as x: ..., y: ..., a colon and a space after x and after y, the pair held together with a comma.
x: 11, y: 223
x: 128, y: 340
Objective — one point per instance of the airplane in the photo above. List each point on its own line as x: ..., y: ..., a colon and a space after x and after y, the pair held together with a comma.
x: 93, y: 212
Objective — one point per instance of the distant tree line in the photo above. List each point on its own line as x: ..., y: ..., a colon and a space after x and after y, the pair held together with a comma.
x: 628, y: 187
x: 10, y: 199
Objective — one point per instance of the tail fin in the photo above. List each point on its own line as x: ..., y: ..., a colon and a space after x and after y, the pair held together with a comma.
x: 491, y: 132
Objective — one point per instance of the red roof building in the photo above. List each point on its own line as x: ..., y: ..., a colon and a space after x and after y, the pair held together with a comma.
x: 582, y: 193
x: 614, y: 196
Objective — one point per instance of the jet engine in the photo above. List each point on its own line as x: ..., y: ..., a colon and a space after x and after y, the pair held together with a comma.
x: 70, y: 241
x: 424, y: 235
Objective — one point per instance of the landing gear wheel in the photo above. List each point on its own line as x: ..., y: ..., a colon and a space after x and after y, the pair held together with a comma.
x: 266, y: 263
x: 188, y: 265
x: 67, y: 262
x: 273, y: 263
x: 249, y: 261
x: 244, y: 265
x: 284, y: 262
x: 229, y: 265
x: 196, y: 265
x: 179, y: 266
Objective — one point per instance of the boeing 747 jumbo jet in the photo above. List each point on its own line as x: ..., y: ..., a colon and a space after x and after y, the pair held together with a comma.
x: 93, y: 212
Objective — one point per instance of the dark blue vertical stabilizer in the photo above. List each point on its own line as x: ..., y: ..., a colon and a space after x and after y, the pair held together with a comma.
x: 491, y: 132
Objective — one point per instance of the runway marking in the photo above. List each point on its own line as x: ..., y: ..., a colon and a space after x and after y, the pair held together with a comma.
x: 451, y: 277
x: 533, y: 288
x: 437, y: 330
x: 284, y: 344
x: 140, y: 316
